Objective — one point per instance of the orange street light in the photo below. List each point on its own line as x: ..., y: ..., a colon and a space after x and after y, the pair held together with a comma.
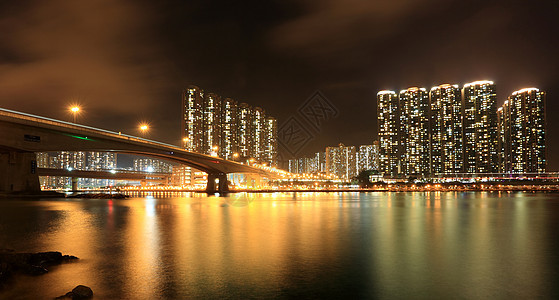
x: 75, y: 111
x: 144, y: 128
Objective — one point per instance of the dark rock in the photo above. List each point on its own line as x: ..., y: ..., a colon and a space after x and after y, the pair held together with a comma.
x: 45, y: 258
x: 34, y: 270
x: 82, y: 292
x: 28, y: 263
x: 68, y: 257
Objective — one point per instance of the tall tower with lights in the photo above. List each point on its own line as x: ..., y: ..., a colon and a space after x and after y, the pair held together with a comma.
x: 522, y: 125
x: 388, y: 114
x: 447, y: 153
x: 414, y: 132
x: 480, y: 127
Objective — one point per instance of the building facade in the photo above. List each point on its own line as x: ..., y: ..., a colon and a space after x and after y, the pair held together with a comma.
x: 341, y: 161
x: 223, y: 127
x: 388, y: 114
x: 522, y: 126
x: 480, y: 127
x: 414, y: 132
x: 446, y: 130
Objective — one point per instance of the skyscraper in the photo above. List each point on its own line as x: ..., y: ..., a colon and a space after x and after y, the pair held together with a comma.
x: 446, y: 130
x: 229, y: 141
x: 367, y: 157
x: 480, y: 127
x: 212, y: 125
x: 211, y: 109
x: 340, y: 161
x: 414, y: 132
x: 388, y: 133
x: 270, y: 143
x: 522, y: 124
x: 191, y: 125
x: 245, y: 131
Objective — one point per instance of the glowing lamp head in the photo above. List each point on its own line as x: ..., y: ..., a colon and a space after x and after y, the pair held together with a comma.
x: 74, y: 109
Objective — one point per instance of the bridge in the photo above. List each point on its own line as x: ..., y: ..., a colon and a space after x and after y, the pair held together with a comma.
x: 21, y: 135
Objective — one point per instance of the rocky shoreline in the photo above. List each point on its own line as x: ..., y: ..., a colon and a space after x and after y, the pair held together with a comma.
x: 33, y: 264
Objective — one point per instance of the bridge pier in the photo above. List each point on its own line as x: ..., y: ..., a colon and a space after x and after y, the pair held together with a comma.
x: 18, y: 172
x: 74, y: 184
x: 221, y: 186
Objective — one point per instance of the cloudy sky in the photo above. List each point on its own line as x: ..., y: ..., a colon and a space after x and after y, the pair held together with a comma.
x: 127, y: 61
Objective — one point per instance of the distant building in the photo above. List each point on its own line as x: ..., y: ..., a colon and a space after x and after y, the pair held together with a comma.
x: 480, y: 127
x: 192, y: 126
x: 367, y: 157
x: 228, y: 145
x: 447, y: 152
x: 152, y: 165
x: 76, y: 160
x: 522, y: 128
x: 414, y: 132
x: 341, y: 161
x: 223, y: 127
x: 388, y: 133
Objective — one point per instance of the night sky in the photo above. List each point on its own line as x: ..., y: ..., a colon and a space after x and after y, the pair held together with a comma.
x: 128, y: 61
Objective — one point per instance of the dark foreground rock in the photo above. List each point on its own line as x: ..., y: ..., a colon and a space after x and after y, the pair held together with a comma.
x: 79, y: 292
x: 98, y: 196
x: 12, y: 262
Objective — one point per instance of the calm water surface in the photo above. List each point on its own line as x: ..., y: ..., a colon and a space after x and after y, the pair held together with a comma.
x: 292, y: 245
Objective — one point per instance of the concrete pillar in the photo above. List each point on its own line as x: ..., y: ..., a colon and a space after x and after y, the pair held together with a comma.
x: 210, y: 185
x: 18, y: 172
x: 74, y: 184
x: 221, y: 187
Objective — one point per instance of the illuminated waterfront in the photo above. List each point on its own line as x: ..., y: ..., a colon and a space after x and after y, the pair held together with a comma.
x: 287, y: 245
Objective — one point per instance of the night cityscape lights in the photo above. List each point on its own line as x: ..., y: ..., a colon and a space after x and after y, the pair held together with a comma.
x: 451, y: 131
x: 210, y: 121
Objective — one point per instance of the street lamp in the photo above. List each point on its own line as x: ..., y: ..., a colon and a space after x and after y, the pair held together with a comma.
x: 75, y: 111
x: 144, y: 128
x: 184, y: 142
x: 214, y: 151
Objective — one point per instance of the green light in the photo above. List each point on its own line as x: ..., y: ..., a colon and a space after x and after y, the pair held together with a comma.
x: 81, y: 137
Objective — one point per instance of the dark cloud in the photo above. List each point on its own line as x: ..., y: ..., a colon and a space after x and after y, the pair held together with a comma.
x: 96, y: 52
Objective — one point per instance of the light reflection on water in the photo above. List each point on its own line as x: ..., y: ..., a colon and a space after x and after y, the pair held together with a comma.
x: 287, y: 245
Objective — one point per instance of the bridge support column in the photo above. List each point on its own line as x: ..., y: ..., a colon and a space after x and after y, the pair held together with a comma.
x: 74, y: 184
x: 19, y: 172
x: 222, y: 186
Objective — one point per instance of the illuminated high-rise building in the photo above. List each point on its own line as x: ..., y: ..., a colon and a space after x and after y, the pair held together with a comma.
x: 522, y: 125
x: 341, y: 161
x: 414, y: 131
x: 388, y: 114
x: 152, y: 165
x: 191, y: 125
x: 223, y: 127
x: 270, y: 143
x: 211, y: 110
x: 480, y: 127
x: 367, y: 157
x: 446, y: 130
x: 245, y: 131
x: 228, y: 143
x: 259, y: 135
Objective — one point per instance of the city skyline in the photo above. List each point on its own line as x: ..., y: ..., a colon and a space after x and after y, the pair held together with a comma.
x: 453, y: 130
